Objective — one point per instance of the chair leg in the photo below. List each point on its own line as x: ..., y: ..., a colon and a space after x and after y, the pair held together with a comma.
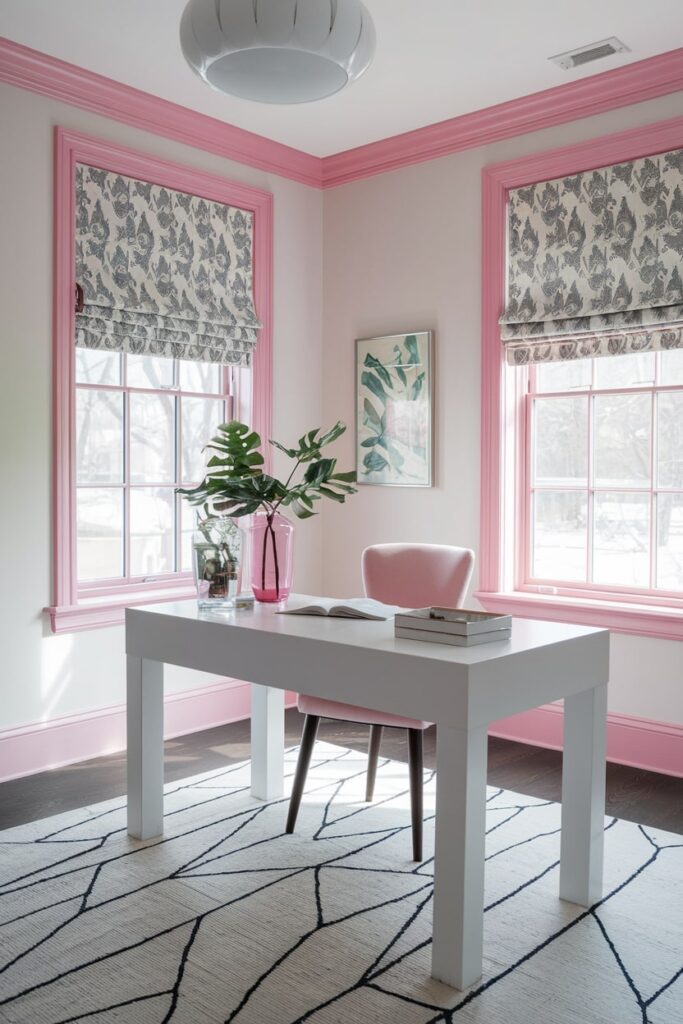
x: 415, y: 760
x: 373, y: 757
x: 305, y: 751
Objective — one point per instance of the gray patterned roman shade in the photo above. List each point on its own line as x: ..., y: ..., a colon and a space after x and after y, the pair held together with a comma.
x: 163, y: 273
x: 595, y: 263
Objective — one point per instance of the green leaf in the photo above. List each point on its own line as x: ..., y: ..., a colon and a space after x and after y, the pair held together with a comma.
x: 374, y: 462
x: 374, y: 384
x: 372, y: 414
x: 369, y: 442
x: 417, y: 386
x: 319, y: 472
x: 336, y: 431
x: 374, y: 364
x: 400, y: 372
x: 333, y: 495
x: 291, y: 452
x: 411, y: 346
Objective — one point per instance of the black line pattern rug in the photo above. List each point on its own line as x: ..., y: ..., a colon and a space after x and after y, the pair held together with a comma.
x: 227, y: 919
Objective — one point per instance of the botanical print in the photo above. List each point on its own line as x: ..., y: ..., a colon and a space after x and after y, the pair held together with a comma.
x: 393, y: 418
x: 594, y: 262
x: 163, y: 273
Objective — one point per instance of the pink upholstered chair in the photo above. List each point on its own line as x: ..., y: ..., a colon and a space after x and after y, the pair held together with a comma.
x: 412, y: 576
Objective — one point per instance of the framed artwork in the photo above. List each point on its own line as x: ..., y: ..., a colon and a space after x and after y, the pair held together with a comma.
x: 394, y: 421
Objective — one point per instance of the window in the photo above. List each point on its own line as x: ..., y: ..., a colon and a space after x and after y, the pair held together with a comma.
x: 129, y: 428
x: 141, y: 424
x: 582, y: 458
x: 604, y: 472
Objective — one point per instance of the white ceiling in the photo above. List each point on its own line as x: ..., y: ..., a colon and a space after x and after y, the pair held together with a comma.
x: 435, y: 58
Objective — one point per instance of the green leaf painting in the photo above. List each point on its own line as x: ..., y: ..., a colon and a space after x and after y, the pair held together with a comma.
x: 394, y: 421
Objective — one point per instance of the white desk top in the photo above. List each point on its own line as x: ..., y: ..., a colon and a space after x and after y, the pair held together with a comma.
x: 527, y: 634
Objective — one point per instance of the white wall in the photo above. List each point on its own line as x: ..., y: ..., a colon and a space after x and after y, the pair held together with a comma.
x: 402, y: 252
x: 44, y: 676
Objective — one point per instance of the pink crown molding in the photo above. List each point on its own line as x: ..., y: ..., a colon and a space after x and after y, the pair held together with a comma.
x: 48, y: 76
x: 633, y: 83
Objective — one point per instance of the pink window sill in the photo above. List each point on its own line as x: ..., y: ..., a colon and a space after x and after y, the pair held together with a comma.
x: 618, y: 616
x: 96, y: 613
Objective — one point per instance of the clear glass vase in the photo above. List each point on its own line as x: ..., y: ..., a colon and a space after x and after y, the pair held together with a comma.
x: 217, y: 562
x: 272, y: 545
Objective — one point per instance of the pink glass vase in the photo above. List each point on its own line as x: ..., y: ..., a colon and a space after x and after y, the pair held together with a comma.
x: 272, y: 545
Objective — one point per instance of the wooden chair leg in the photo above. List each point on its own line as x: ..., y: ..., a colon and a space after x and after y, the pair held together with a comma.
x: 415, y: 761
x: 373, y: 757
x: 308, y: 736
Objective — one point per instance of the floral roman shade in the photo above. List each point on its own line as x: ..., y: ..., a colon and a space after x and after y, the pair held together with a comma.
x: 163, y: 273
x: 595, y: 263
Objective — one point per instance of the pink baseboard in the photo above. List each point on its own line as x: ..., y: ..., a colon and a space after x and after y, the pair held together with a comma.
x: 62, y: 741
x: 638, y: 742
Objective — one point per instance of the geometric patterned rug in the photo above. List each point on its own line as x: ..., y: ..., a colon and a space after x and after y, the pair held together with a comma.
x: 227, y: 919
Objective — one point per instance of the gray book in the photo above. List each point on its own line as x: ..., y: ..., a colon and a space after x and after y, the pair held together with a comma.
x: 434, y: 637
x: 454, y: 621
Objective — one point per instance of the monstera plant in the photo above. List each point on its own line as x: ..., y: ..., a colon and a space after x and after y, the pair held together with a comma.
x: 235, y: 484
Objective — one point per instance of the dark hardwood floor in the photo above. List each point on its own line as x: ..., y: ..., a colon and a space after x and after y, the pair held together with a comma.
x: 655, y: 800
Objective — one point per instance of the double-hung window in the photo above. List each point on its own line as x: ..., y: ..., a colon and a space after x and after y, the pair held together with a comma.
x: 141, y: 425
x: 582, y: 390
x: 603, y: 464
x: 162, y: 331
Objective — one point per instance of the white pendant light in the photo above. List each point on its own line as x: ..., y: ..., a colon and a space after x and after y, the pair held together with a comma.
x: 277, y: 51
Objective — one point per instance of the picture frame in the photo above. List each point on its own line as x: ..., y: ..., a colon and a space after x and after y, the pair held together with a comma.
x: 394, y: 410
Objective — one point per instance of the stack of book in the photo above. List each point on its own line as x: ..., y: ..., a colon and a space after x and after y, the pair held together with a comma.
x: 458, y: 626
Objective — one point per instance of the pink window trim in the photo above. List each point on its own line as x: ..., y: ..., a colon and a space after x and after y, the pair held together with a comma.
x: 67, y: 611
x: 503, y: 439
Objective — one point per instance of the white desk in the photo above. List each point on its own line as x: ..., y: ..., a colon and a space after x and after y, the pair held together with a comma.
x: 461, y: 689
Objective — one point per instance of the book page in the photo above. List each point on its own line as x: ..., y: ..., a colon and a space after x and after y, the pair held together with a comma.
x: 353, y: 608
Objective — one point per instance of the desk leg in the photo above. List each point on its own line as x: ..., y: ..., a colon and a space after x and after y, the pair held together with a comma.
x: 583, y: 796
x: 267, y: 742
x: 145, y: 757
x: 459, y: 856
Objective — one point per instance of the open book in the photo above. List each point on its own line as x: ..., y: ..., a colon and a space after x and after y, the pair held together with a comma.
x: 355, y: 608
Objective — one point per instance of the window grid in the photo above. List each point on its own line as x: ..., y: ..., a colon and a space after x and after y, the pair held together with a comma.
x: 127, y: 581
x: 653, y: 489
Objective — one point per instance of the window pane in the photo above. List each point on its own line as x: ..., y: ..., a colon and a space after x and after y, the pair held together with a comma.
x: 204, y: 377
x: 99, y: 529
x: 152, y: 438
x: 149, y: 371
x: 621, y: 539
x: 152, y: 519
x: 200, y: 417
x: 633, y: 370
x: 670, y: 541
x: 564, y: 376
x: 93, y: 367
x: 670, y: 439
x: 560, y: 440
x: 623, y: 425
x: 99, y: 436
x: 559, y: 535
x: 671, y: 366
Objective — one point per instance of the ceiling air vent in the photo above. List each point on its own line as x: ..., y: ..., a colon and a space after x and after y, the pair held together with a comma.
x: 587, y: 54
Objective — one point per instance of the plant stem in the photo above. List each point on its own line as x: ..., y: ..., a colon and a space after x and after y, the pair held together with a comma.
x: 287, y: 483
x: 275, y: 559
x: 270, y: 531
x: 269, y: 518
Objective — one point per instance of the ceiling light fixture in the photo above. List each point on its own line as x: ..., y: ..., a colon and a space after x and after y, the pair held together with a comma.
x: 277, y: 51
